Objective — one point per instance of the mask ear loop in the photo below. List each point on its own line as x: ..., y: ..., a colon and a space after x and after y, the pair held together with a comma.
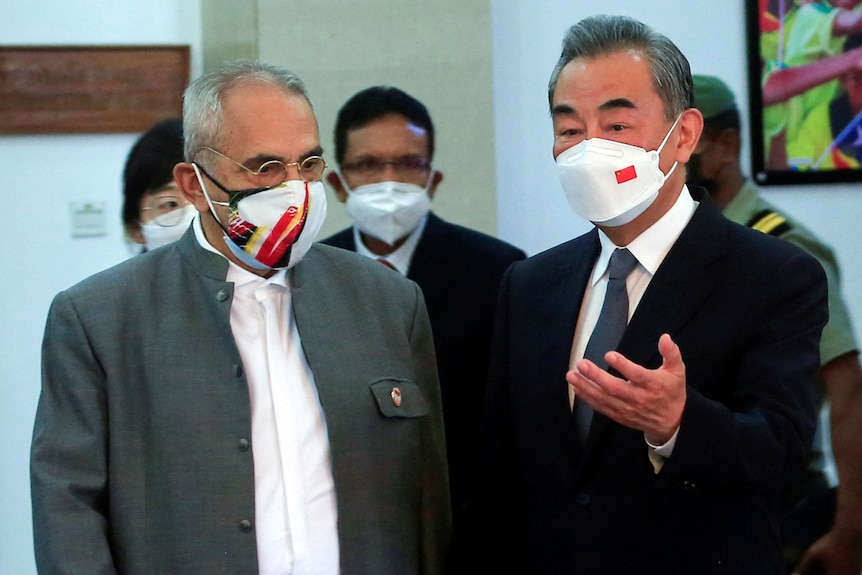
x: 210, y: 202
x: 427, y: 187
x: 347, y: 188
x: 661, y: 147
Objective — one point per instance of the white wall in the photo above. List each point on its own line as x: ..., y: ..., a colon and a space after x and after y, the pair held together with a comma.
x: 39, y: 176
x: 532, y: 211
x: 440, y: 53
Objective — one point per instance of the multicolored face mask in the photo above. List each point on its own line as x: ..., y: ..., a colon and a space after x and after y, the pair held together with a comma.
x: 271, y: 228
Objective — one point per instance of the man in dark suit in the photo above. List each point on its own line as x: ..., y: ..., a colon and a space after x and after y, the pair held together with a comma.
x: 242, y: 400
x: 384, y: 145
x: 659, y: 452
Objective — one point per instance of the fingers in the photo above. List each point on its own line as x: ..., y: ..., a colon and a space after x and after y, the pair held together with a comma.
x: 636, y: 374
x: 651, y: 400
x: 671, y: 356
x: 596, y: 385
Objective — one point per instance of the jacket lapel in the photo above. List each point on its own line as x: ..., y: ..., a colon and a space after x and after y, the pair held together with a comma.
x: 554, y: 326
x: 428, y: 259
x: 682, y: 283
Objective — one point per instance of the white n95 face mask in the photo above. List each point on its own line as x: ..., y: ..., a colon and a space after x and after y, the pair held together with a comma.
x: 388, y: 211
x: 610, y: 183
x: 167, y: 228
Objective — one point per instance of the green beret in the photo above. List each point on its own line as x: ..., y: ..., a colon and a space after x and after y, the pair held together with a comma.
x: 711, y: 96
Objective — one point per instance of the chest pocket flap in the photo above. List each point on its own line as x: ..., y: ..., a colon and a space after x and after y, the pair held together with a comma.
x: 398, y: 398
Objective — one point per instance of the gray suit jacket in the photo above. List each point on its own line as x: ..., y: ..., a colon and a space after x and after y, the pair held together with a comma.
x: 141, y: 456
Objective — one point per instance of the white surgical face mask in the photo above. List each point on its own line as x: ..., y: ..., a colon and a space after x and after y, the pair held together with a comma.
x: 273, y: 228
x: 158, y: 232
x: 388, y: 211
x: 611, y: 183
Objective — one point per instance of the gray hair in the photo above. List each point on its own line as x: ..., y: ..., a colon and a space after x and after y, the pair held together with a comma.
x: 202, y: 100
x: 602, y: 35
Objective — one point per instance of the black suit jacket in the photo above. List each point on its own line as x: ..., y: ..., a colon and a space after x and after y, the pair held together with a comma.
x: 459, y: 271
x: 746, y: 311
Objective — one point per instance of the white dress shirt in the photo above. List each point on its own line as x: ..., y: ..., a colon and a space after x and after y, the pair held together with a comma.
x: 400, y: 258
x: 650, y: 249
x: 295, y: 506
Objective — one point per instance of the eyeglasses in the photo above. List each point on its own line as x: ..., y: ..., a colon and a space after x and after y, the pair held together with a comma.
x: 274, y: 172
x: 165, y: 209
x: 372, y: 167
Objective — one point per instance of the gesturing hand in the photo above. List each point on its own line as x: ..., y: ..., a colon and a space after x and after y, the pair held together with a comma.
x: 650, y: 400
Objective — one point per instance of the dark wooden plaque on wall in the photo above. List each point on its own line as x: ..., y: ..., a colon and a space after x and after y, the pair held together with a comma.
x: 75, y: 89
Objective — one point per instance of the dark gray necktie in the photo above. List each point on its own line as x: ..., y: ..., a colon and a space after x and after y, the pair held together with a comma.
x: 609, y: 328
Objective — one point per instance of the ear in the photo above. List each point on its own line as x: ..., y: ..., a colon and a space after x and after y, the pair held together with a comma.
x: 133, y: 230
x: 690, y: 129
x: 435, y: 181
x: 187, y: 180
x: 337, y: 186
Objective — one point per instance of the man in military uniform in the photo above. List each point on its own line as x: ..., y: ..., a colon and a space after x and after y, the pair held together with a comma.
x: 821, y: 527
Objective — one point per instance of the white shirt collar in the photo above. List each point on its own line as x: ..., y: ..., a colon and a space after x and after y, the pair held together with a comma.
x: 651, y: 246
x: 401, y: 257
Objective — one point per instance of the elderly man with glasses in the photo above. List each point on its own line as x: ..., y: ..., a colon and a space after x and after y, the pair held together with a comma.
x: 278, y: 412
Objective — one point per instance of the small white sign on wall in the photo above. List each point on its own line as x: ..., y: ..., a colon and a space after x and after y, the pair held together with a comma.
x: 88, y: 219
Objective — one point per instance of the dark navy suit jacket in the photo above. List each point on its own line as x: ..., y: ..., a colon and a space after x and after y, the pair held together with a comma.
x: 747, y: 311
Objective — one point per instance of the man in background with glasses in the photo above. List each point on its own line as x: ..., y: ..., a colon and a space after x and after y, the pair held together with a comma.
x: 384, y: 146
x: 277, y: 413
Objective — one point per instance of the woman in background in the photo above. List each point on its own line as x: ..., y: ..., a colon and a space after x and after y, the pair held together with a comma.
x: 155, y: 212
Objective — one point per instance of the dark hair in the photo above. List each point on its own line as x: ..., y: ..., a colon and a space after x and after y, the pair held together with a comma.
x: 602, y: 35
x: 150, y: 164
x: 373, y: 103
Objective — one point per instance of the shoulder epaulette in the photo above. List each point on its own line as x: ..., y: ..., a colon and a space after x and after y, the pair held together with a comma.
x: 769, y: 222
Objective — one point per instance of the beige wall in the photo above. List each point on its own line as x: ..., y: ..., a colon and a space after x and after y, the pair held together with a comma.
x: 439, y: 52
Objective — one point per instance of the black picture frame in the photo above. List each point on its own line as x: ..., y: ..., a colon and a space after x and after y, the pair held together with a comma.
x: 802, y: 157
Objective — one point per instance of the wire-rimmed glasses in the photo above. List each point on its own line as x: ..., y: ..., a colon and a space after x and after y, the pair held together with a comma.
x: 274, y: 172
x: 405, y: 166
x: 165, y: 208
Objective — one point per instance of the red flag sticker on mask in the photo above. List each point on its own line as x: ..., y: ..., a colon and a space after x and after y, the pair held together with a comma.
x: 625, y: 175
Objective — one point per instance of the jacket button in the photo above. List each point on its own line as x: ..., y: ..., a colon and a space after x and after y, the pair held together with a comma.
x: 237, y: 369
x: 243, y: 444
x: 245, y: 525
x: 221, y: 295
x: 688, y: 485
x: 582, y: 499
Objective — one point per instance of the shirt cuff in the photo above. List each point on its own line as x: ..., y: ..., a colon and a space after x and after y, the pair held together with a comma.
x: 659, y: 453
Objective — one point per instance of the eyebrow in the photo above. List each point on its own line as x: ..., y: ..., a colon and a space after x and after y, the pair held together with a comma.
x: 167, y: 187
x: 616, y: 103
x: 612, y: 104
x: 563, y: 110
